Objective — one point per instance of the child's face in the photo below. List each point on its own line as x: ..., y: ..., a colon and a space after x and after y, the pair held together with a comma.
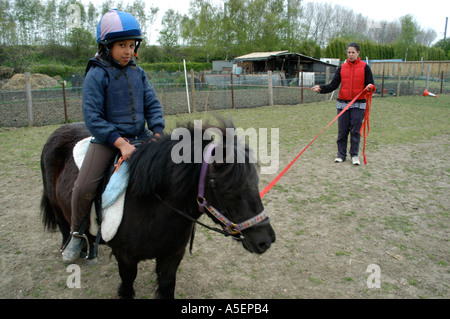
x: 123, y: 51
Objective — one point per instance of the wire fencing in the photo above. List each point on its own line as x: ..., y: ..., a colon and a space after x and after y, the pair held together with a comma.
x: 206, y: 91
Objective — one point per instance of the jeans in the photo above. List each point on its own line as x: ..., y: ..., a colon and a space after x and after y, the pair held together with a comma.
x: 349, y: 122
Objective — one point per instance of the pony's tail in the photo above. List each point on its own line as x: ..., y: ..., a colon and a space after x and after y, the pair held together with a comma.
x: 48, y: 217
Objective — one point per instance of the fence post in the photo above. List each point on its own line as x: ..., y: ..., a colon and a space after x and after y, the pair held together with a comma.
x: 301, y: 77
x: 399, y: 79
x: 428, y: 75
x: 194, y: 102
x: 382, y: 82
x: 187, y: 87
x: 270, y: 87
x: 65, y: 104
x: 29, y: 101
x: 232, y: 91
x: 423, y: 65
x: 327, y: 80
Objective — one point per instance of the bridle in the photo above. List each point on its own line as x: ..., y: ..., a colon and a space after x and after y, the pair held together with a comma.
x: 228, y: 226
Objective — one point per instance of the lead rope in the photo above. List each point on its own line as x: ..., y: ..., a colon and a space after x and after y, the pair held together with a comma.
x: 365, y: 126
x: 369, y: 90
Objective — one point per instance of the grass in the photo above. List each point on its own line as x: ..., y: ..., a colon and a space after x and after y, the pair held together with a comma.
x: 315, y: 281
x: 393, y: 122
x: 23, y: 146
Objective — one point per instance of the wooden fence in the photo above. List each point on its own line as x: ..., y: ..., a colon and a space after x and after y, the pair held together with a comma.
x: 410, y: 68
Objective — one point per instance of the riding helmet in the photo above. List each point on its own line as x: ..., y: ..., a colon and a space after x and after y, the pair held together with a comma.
x: 118, y: 25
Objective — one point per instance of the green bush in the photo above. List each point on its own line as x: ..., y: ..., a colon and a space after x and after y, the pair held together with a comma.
x: 56, y: 69
x: 18, y: 57
x: 175, y: 66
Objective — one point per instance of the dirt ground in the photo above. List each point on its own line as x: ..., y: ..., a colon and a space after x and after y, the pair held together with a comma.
x: 332, y: 222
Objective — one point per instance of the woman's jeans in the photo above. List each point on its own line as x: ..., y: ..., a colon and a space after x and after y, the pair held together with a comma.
x: 349, y: 122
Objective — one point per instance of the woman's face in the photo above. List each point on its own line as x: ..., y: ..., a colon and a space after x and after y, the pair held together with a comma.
x: 123, y: 51
x: 352, y: 54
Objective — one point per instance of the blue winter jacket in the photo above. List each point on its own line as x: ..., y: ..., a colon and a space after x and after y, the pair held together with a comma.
x: 118, y: 101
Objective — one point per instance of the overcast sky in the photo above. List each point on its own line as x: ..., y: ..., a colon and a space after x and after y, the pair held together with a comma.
x: 428, y: 14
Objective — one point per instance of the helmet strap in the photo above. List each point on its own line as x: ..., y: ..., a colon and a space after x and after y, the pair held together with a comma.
x: 138, y: 43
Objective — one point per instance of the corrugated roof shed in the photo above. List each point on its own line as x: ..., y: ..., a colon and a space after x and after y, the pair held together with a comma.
x: 260, y: 55
x: 289, y: 62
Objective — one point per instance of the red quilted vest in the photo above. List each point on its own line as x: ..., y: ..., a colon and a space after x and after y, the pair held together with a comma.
x: 352, y: 80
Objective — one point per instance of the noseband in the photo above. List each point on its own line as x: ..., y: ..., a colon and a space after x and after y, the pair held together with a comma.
x: 228, y: 226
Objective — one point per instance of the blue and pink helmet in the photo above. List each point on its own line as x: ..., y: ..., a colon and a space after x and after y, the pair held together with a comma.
x: 117, y: 25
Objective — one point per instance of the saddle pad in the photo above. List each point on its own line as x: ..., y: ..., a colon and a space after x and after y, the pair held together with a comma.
x: 113, y: 198
x: 112, y: 217
x: 79, y: 151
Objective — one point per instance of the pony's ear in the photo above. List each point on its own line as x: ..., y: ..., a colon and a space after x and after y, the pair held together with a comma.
x: 218, y: 154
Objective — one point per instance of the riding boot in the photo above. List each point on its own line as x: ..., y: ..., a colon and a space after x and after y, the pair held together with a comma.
x: 73, y: 249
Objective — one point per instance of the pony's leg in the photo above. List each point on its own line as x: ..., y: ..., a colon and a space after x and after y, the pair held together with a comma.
x: 166, y: 269
x: 128, y: 273
x: 64, y: 228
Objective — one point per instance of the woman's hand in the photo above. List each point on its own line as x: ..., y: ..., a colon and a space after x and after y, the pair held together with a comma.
x: 125, y: 148
x: 316, y: 88
x: 371, y: 88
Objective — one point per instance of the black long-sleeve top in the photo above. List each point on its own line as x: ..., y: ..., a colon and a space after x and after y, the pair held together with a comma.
x: 336, y: 82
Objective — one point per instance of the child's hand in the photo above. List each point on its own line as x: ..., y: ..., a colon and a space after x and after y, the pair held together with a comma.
x: 156, y: 137
x: 125, y: 148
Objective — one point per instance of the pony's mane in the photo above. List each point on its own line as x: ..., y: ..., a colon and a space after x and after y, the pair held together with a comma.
x: 152, y: 169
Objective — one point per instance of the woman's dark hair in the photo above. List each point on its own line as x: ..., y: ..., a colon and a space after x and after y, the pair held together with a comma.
x: 354, y: 45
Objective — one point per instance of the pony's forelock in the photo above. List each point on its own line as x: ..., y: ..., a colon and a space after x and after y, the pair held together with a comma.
x: 152, y: 170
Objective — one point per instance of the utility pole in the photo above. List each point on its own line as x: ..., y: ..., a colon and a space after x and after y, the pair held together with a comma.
x: 445, y: 33
x: 289, y: 24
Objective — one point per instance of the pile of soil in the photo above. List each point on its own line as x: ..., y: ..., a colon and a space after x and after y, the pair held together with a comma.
x: 38, y: 81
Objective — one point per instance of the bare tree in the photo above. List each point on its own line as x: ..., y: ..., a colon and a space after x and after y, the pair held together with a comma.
x: 426, y: 37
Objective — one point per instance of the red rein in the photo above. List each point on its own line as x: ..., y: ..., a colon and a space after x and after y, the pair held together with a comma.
x: 370, y: 89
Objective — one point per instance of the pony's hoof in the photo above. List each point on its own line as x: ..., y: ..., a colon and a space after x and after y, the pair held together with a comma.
x: 92, y: 262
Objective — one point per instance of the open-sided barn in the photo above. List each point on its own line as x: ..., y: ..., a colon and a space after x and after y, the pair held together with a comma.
x: 282, y: 61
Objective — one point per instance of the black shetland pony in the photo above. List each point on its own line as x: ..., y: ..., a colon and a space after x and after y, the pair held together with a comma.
x: 161, y: 203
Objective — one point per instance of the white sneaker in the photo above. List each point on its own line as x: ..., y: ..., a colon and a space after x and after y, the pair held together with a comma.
x: 355, y: 160
x: 338, y: 160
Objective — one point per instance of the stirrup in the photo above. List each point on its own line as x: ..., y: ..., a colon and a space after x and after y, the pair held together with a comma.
x: 83, y: 236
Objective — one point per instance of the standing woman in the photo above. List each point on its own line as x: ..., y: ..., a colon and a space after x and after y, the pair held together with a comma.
x: 354, y: 76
